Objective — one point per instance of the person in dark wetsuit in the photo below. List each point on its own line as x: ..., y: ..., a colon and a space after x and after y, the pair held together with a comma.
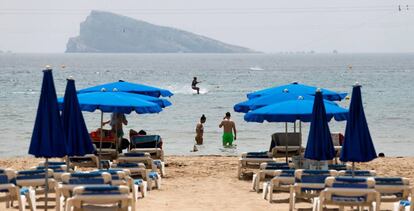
x: 194, y: 85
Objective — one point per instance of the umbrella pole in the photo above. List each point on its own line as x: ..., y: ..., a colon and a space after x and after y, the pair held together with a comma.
x: 116, y: 139
x: 100, y: 142
x: 67, y: 163
x: 286, y: 143
x: 353, y: 169
x: 300, y: 143
x: 294, y: 127
x: 46, y: 181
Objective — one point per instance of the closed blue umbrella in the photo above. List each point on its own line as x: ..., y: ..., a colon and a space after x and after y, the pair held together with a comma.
x: 319, y: 146
x: 266, y: 100
x: 78, y: 140
x: 301, y: 89
x: 48, y: 138
x: 358, y: 145
x: 292, y: 110
x: 123, y: 86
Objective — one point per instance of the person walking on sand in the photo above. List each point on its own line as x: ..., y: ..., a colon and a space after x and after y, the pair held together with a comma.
x: 200, y: 130
x: 194, y: 85
x: 228, y: 128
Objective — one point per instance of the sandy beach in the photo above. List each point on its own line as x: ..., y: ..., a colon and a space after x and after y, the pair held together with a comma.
x: 210, y: 183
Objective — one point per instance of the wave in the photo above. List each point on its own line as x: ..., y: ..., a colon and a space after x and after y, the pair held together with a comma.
x: 186, y: 89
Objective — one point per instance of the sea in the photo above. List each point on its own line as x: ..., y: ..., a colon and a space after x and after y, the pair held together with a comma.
x: 386, y: 79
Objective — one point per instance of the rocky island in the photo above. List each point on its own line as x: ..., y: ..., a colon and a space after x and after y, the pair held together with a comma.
x: 105, y: 32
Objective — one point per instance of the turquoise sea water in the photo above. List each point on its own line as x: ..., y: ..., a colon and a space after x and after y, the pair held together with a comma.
x: 387, y: 90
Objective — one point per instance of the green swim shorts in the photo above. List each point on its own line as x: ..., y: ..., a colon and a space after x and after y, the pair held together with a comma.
x: 227, y: 138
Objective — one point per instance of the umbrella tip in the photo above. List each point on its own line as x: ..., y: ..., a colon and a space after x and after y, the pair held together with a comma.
x: 286, y: 90
x: 115, y: 90
x: 103, y: 90
x: 70, y: 78
x: 357, y: 84
x: 300, y: 97
x: 295, y: 82
x: 121, y: 81
x: 318, y: 90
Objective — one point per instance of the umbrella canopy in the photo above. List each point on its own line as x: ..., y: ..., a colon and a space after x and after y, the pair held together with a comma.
x: 292, y: 110
x: 118, y: 102
x: 123, y: 86
x: 357, y: 146
x: 319, y: 146
x: 48, y: 139
x: 78, y: 140
x: 298, y: 89
x: 266, y: 100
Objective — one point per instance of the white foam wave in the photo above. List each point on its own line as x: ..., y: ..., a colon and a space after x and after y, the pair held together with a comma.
x: 186, y: 89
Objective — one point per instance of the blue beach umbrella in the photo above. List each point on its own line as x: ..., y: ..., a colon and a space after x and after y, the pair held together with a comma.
x: 114, y: 102
x: 358, y: 145
x: 48, y: 138
x: 293, y: 110
x: 123, y: 86
x: 319, y: 146
x: 301, y: 89
x: 259, y: 102
x: 78, y: 139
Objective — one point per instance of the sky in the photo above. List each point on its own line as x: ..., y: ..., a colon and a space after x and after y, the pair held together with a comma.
x: 271, y: 26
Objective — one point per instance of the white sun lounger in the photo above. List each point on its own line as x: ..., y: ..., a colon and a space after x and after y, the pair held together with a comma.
x: 58, y: 170
x: 101, y: 195
x: 72, y: 180
x: 349, y: 192
x: 268, y: 169
x: 122, y: 177
x: 140, y: 174
x: 252, y: 160
x: 308, y: 185
x: 13, y: 192
x: 282, y: 182
x: 138, y: 157
x: 155, y: 153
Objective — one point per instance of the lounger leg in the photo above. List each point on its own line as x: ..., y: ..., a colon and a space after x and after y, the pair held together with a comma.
x: 22, y: 202
x: 158, y: 182
x: 239, y: 170
x: 341, y: 208
x: 378, y: 201
x: 270, y: 191
x: 32, y: 199
x: 254, y: 187
x: 69, y: 205
x: 162, y: 169
x: 265, y: 190
x: 144, y: 189
x: 291, y: 198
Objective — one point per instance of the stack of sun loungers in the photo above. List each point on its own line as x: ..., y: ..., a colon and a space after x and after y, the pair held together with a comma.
x: 120, y: 185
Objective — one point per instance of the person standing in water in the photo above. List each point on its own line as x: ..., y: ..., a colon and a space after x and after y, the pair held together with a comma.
x: 228, y: 128
x: 194, y: 85
x: 200, y: 130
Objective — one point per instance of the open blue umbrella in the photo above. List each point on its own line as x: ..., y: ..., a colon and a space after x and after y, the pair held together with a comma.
x: 357, y: 146
x: 123, y: 86
x: 78, y: 139
x: 114, y: 102
x: 48, y: 138
x: 266, y: 100
x: 301, y: 89
x: 319, y: 146
x: 293, y: 110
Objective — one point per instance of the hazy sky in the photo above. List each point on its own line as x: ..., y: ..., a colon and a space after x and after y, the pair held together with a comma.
x: 263, y: 25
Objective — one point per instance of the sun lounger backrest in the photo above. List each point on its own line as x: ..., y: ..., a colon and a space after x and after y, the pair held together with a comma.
x: 7, y: 176
x: 358, y: 173
x: 86, y: 178
x: 33, y: 177
x: 338, y: 167
x: 313, y: 176
x: 349, y: 190
x: 350, y: 182
x: 145, y: 141
x: 273, y: 166
x: 118, y: 177
x: 280, y: 139
x: 399, y: 187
